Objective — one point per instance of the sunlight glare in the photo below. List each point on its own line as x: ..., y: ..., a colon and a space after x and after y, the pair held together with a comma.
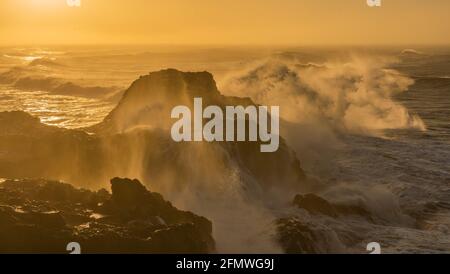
x: 47, y: 4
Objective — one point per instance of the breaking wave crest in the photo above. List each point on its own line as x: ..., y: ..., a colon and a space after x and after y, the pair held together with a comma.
x: 353, y: 96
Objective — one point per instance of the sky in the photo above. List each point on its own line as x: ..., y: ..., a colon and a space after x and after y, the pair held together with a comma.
x: 234, y: 22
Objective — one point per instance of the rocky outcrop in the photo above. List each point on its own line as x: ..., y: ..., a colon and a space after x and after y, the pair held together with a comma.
x: 134, y: 140
x: 296, y: 237
x: 148, y: 104
x: 304, y: 235
x: 319, y: 228
x: 315, y: 204
x: 39, y: 216
x: 30, y: 149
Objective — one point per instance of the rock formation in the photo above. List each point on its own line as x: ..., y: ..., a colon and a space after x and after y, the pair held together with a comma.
x: 39, y: 216
x: 134, y: 141
x: 318, y: 205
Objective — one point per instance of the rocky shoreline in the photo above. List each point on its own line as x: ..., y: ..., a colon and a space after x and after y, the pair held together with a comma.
x: 40, y: 216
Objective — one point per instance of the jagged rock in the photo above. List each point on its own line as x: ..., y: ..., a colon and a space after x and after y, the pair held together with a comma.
x: 30, y: 149
x: 45, y: 216
x: 170, y: 237
x: 296, y: 237
x: 315, y: 204
x: 53, y: 191
x: 132, y: 201
x: 127, y: 193
x: 52, y: 219
x: 302, y: 235
x: 318, y: 205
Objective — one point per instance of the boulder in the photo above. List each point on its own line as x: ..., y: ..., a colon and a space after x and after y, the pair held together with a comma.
x: 315, y: 204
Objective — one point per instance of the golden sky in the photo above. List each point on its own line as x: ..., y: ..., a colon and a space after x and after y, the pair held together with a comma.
x: 301, y: 22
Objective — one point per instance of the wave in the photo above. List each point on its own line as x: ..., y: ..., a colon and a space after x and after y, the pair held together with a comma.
x: 58, y: 86
x: 353, y: 96
x: 412, y: 52
x: 25, y: 78
x: 46, y: 62
x: 432, y: 82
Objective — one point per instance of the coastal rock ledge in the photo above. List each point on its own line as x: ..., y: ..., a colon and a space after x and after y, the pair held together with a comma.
x: 41, y: 216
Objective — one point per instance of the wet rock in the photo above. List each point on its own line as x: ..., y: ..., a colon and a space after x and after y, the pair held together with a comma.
x: 303, y: 235
x: 127, y: 192
x: 167, y: 240
x: 7, y: 217
x: 296, y: 237
x: 52, y: 220
x: 354, y: 210
x: 315, y: 204
x: 132, y: 201
x: 47, y: 215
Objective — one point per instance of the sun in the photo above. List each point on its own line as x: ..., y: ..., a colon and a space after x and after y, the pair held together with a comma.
x: 74, y: 3
x: 43, y: 5
x: 47, y: 4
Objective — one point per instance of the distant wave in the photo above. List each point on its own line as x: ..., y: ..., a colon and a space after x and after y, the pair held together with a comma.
x: 437, y: 78
x: 411, y: 52
x: 58, y: 86
x: 47, y: 62
x: 23, y: 78
x: 436, y: 83
x: 23, y: 57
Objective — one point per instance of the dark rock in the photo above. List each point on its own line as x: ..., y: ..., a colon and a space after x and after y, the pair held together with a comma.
x: 296, y: 237
x: 127, y: 193
x: 131, y: 201
x: 53, y: 191
x: 354, y: 210
x: 315, y: 204
x: 44, y: 219
x: 48, y: 215
x: 168, y: 239
x: 7, y: 217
